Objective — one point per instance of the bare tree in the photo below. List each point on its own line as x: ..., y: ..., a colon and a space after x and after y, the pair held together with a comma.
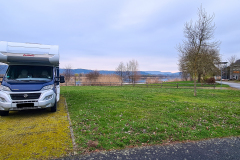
x: 92, y: 76
x: 132, y: 71
x: 128, y: 72
x: 210, y: 59
x: 232, y: 60
x: 184, y: 75
x: 121, y: 70
x: 68, y: 73
x: 183, y: 68
x: 197, y: 45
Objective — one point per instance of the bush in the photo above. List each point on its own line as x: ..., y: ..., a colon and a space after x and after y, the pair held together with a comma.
x: 92, y: 75
x: 210, y: 80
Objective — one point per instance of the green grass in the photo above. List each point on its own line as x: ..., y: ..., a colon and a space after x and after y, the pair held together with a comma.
x: 180, y: 84
x: 236, y: 81
x: 117, y: 117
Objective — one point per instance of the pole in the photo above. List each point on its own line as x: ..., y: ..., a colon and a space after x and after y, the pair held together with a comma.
x: 226, y: 72
x: 222, y: 63
x: 221, y: 77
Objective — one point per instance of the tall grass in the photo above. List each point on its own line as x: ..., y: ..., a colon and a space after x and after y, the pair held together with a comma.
x: 153, y: 80
x: 103, y: 80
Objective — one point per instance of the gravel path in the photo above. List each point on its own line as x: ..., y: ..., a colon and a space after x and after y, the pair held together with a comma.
x: 231, y: 84
x: 219, y: 148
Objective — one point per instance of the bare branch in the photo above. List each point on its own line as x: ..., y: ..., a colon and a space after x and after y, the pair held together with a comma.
x: 92, y: 76
x: 199, y: 53
x: 68, y: 73
x: 232, y: 60
x: 121, y: 70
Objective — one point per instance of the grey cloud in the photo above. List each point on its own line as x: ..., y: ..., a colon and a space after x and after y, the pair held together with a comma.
x: 91, y: 28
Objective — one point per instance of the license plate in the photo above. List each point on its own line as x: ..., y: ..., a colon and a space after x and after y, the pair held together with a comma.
x: 25, y: 105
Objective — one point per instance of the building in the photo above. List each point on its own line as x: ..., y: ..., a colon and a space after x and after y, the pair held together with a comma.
x: 235, y: 70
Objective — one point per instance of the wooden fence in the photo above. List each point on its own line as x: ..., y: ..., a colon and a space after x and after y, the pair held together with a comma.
x: 145, y: 85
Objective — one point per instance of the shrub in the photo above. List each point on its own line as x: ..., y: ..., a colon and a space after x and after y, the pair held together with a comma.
x: 210, y: 80
x: 92, y: 75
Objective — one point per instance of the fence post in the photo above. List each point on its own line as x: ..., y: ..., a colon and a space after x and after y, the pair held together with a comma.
x: 147, y: 85
x: 161, y: 84
x: 177, y: 85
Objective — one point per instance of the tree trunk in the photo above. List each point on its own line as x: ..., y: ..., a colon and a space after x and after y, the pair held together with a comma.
x: 199, y: 78
x: 195, y: 92
x: 191, y: 77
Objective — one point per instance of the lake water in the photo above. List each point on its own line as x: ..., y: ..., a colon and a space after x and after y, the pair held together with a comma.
x: 160, y: 79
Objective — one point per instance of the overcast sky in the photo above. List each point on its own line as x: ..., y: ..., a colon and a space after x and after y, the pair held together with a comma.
x: 99, y: 34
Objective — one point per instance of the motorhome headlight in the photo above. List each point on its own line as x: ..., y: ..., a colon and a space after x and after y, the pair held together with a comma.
x: 4, y: 88
x: 2, y: 99
x: 47, y: 87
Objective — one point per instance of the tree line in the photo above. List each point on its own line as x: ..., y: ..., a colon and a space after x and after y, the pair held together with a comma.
x: 129, y: 72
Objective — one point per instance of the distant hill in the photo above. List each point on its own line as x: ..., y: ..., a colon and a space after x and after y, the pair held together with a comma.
x: 86, y: 71
x: 3, y: 69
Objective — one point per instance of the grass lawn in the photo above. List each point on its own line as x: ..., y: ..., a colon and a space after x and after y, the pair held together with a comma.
x: 106, y: 118
x: 181, y: 84
x: 236, y: 81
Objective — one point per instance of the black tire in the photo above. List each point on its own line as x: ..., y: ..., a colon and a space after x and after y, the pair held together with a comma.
x: 4, y: 113
x: 54, y: 107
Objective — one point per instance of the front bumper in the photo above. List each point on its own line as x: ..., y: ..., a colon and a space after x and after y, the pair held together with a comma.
x: 11, y: 105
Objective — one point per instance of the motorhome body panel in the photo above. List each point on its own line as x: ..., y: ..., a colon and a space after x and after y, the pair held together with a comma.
x: 30, y: 81
x: 27, y: 53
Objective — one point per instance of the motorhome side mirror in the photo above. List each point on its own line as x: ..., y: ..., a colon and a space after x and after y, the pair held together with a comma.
x: 62, y: 80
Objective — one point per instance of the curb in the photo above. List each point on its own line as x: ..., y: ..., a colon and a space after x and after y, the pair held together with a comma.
x: 71, y: 130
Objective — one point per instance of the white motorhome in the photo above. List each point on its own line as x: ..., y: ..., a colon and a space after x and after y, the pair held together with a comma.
x: 32, y: 78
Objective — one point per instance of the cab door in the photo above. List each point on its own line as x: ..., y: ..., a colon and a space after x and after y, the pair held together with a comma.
x: 57, y: 84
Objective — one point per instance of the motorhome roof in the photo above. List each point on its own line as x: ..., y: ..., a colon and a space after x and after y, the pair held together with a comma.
x: 28, y: 53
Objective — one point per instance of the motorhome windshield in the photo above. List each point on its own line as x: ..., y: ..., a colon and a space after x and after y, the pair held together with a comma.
x: 29, y: 73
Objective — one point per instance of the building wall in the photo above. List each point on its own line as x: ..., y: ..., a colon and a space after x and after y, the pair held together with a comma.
x: 235, y: 70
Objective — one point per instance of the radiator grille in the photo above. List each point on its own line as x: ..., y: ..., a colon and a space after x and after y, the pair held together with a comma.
x: 25, y: 96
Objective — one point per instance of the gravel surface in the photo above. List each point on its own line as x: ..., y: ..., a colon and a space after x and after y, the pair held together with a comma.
x: 219, y: 148
x: 231, y: 84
